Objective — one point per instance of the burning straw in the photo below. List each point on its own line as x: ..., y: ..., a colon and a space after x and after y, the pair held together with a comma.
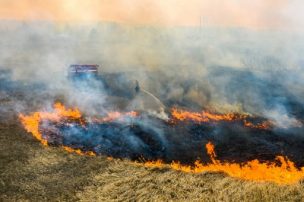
x: 281, y: 171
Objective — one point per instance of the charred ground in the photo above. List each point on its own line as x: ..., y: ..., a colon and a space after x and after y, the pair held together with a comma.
x: 30, y: 171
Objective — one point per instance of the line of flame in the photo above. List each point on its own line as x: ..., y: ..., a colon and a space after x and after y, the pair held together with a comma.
x: 205, y: 116
x: 285, y: 173
x: 31, y: 123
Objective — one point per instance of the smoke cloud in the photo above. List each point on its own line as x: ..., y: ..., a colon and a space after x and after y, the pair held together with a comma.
x: 211, y: 67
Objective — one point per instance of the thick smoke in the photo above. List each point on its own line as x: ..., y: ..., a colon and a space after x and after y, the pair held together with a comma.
x: 224, y: 69
x: 212, y: 68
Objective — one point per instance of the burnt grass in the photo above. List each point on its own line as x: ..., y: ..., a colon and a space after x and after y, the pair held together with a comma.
x: 181, y: 141
x: 32, y: 172
x: 29, y: 171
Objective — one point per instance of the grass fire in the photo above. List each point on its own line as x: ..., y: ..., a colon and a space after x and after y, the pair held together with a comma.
x: 141, y: 100
x: 49, y: 128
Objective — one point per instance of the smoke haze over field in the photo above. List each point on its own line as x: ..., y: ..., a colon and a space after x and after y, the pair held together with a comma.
x: 245, y: 56
x: 223, y: 68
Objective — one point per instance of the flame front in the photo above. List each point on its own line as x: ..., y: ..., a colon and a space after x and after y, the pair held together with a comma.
x: 284, y: 172
x: 205, y: 116
x: 281, y: 171
x: 31, y: 123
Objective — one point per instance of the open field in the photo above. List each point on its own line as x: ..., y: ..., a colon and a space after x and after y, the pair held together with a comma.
x: 219, y: 89
x: 32, y: 172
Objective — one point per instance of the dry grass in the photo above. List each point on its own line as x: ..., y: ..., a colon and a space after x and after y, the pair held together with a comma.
x: 32, y: 172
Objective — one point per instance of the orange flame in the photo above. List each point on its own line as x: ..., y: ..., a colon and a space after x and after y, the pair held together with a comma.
x: 285, y: 173
x: 78, y: 151
x: 31, y: 122
x: 282, y: 172
x: 205, y: 116
x: 112, y: 116
x: 263, y: 125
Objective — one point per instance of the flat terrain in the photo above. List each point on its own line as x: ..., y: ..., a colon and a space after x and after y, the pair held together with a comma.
x: 32, y: 172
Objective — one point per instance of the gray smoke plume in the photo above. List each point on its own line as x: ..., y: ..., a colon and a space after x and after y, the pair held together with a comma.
x: 152, y: 69
x: 225, y: 69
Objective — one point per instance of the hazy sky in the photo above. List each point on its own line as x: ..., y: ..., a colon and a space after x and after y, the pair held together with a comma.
x: 243, y: 13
